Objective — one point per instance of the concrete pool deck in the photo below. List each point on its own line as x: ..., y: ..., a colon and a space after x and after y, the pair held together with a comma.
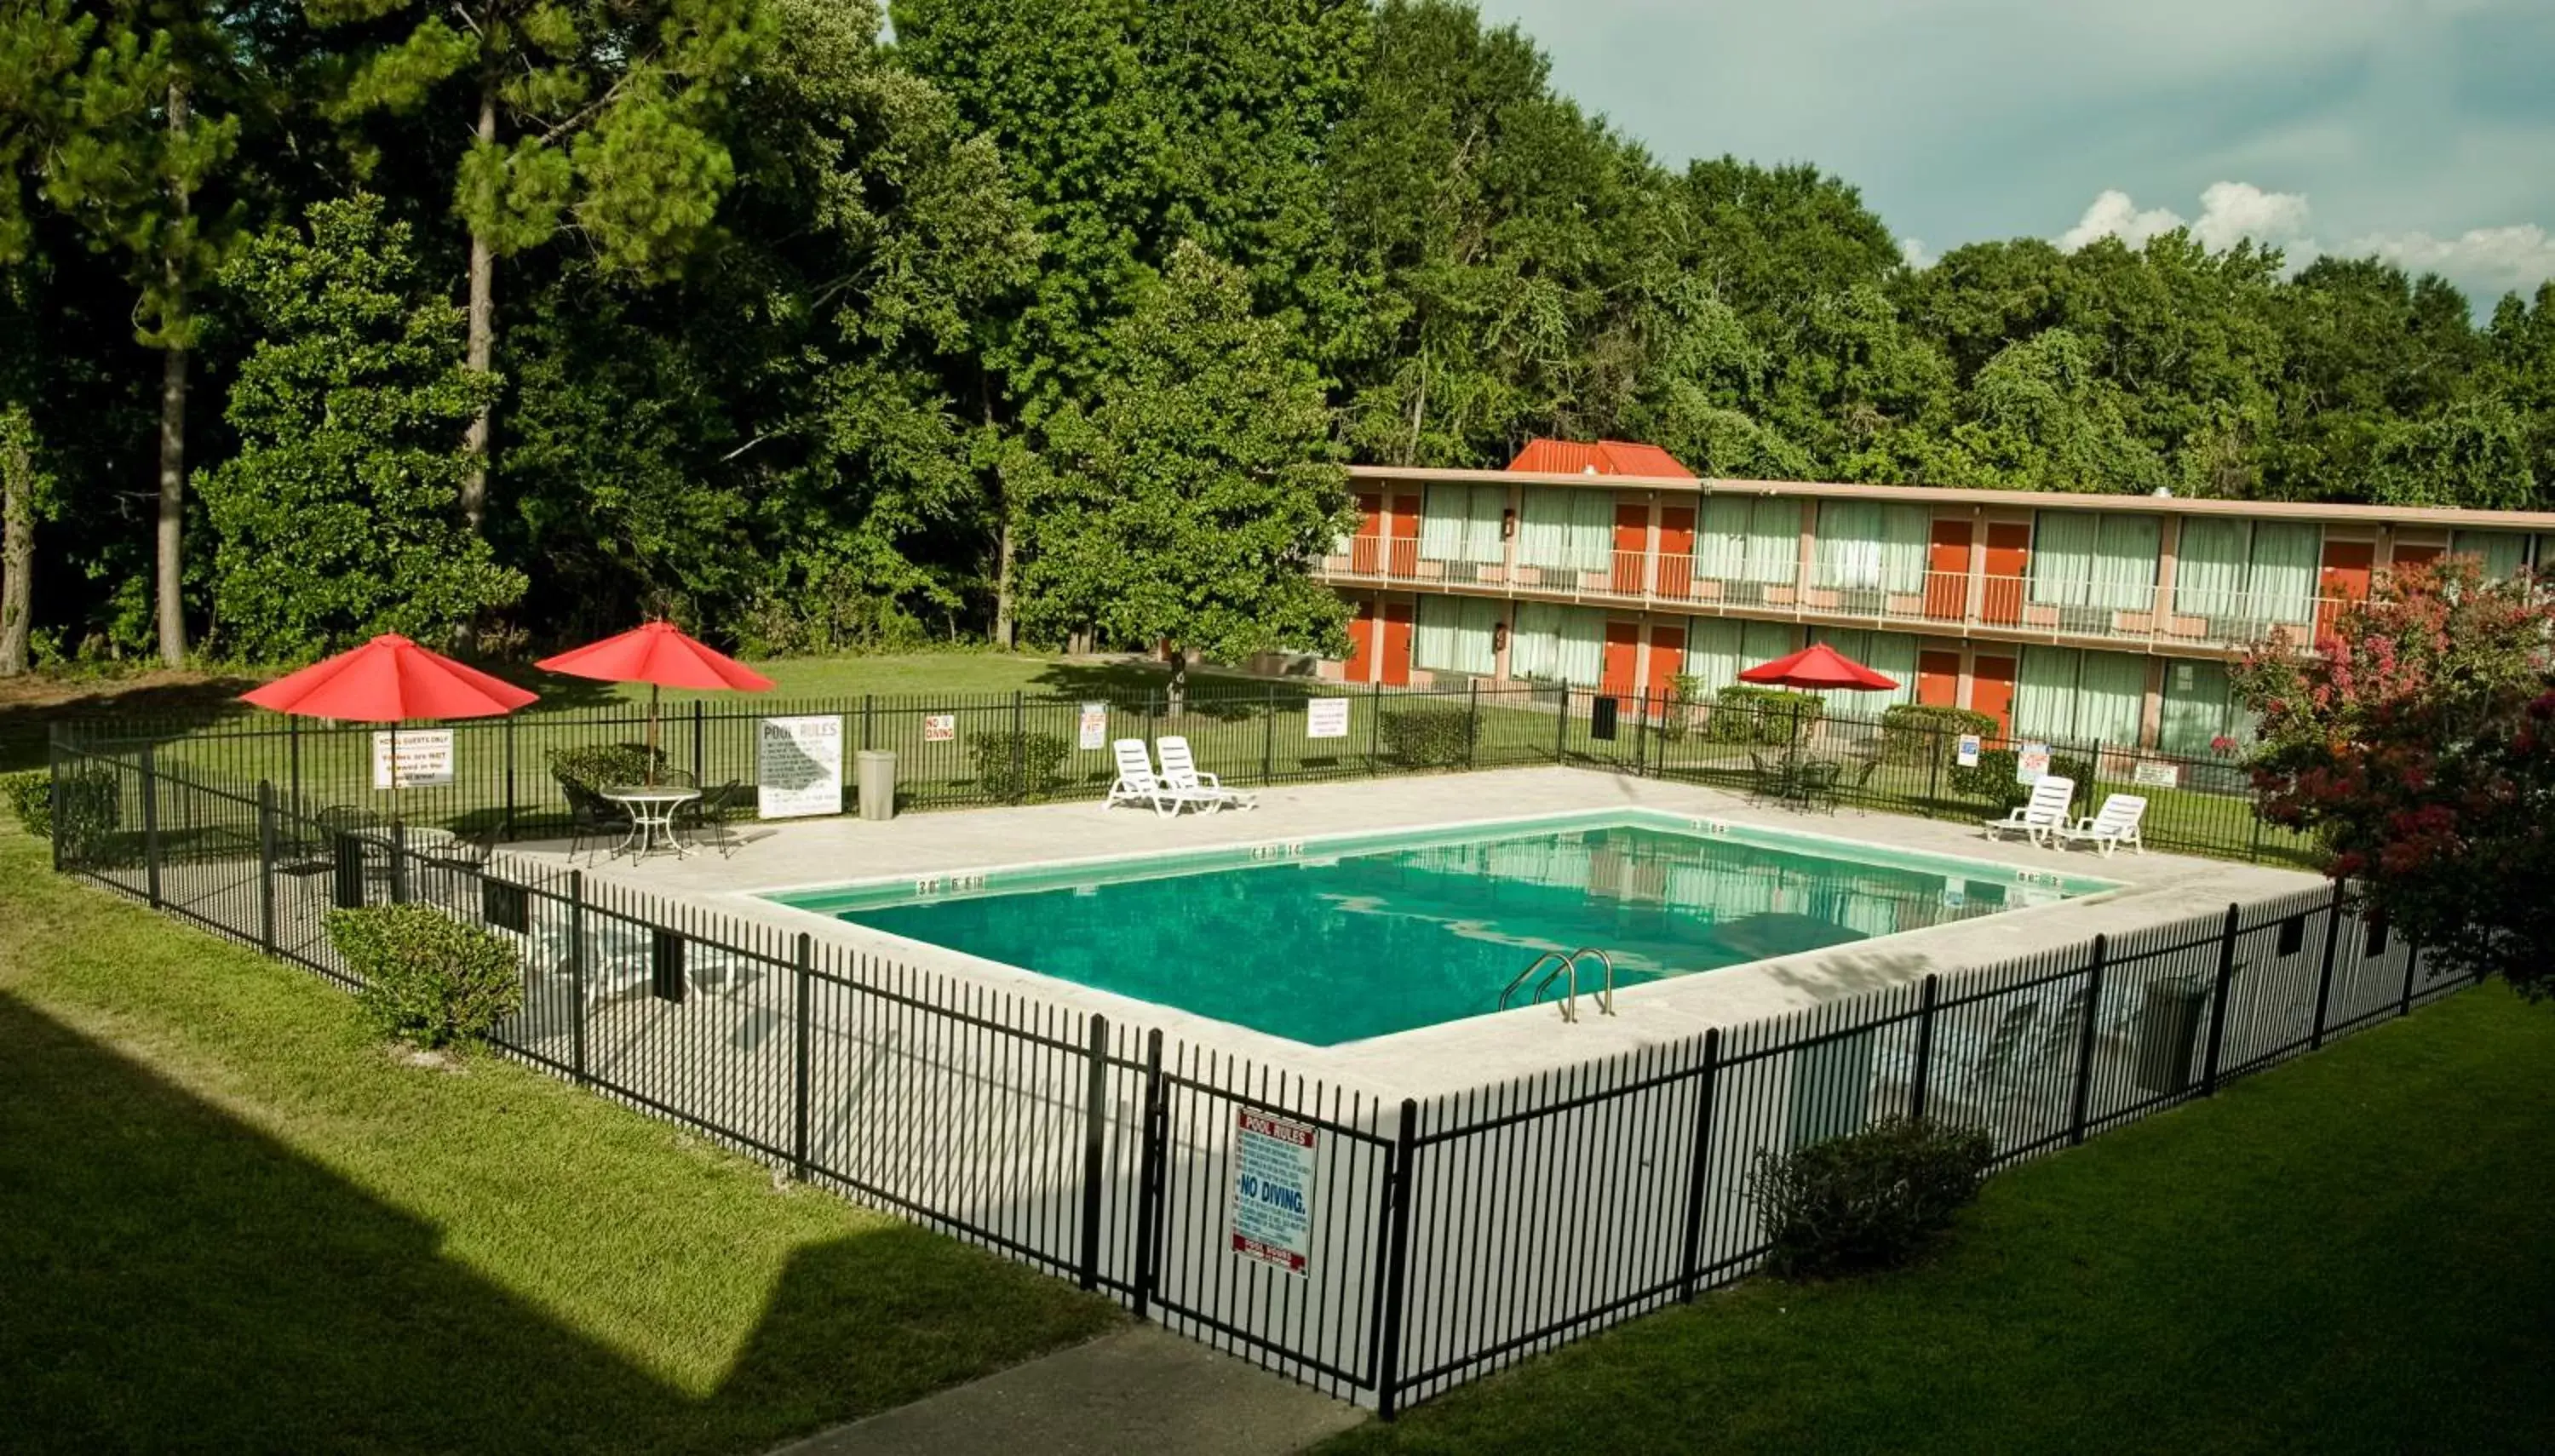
x: 2154, y: 888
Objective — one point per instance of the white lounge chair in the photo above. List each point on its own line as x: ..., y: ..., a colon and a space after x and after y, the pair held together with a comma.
x: 1136, y: 784
x: 2045, y: 815
x: 2112, y: 825
x: 1181, y: 773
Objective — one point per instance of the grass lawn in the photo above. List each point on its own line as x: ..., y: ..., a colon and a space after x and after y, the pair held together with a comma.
x: 2353, y: 1253
x: 229, y: 1220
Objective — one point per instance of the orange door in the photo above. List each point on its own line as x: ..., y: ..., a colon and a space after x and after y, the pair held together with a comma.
x: 1364, y: 550
x: 2008, y: 556
x: 1404, y: 563
x: 1361, y: 668
x: 1667, y: 660
x: 1623, y: 659
x: 1631, y: 547
x: 1938, y: 679
x: 1991, y: 691
x: 1947, y: 569
x: 2410, y: 555
x: 1393, y: 652
x: 1676, y: 551
x: 2345, y: 578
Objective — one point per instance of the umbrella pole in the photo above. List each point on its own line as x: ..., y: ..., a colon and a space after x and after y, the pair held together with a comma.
x: 652, y: 690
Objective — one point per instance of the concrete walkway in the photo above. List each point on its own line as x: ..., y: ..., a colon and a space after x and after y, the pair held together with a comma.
x: 1142, y: 1389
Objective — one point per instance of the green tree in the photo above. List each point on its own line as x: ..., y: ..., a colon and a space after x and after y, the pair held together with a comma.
x: 1190, y: 502
x: 581, y: 114
x: 2471, y: 453
x: 2041, y: 418
x: 335, y: 520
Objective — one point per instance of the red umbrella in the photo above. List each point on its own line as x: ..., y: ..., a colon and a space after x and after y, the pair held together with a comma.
x: 1819, y: 669
x: 660, y: 655
x: 387, y: 681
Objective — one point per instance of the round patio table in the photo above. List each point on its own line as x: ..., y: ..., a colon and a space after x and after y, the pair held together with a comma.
x: 652, y: 809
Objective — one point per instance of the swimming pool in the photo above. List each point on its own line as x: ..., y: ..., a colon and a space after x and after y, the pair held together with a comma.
x: 1336, y: 940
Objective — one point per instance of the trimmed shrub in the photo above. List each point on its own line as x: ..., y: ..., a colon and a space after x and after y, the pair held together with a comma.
x: 91, y: 805
x: 1427, y: 737
x: 1684, y: 691
x: 1990, y: 782
x: 1745, y: 713
x: 428, y: 978
x: 1869, y: 1200
x: 1035, y: 770
x: 1910, y: 732
x: 600, y: 766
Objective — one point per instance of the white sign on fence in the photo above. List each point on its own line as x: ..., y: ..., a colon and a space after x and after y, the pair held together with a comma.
x: 939, y: 727
x: 419, y: 758
x: 1273, y: 1189
x: 1092, y: 731
x: 2153, y: 774
x: 799, y: 767
x: 1966, y: 751
x: 1326, y: 717
x: 2031, y: 764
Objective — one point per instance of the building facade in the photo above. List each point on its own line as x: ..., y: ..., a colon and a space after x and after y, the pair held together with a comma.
x: 2095, y: 618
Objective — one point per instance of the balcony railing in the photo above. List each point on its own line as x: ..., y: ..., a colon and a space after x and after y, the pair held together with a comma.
x: 1951, y: 601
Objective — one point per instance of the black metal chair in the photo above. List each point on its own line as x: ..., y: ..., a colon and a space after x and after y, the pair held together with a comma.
x: 591, y: 817
x: 708, y: 814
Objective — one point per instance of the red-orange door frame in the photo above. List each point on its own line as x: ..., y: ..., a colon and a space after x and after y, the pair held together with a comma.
x: 1667, y: 660
x: 1938, y: 679
x: 1677, y: 552
x: 1631, y: 547
x: 1404, y: 563
x: 1947, y: 568
x: 2343, y: 577
x: 1366, y: 549
x: 1623, y: 659
x: 1361, y: 664
x: 1393, y: 651
x: 2009, y: 560
x: 1992, y: 690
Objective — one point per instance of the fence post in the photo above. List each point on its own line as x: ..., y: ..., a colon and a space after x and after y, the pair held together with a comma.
x: 1472, y: 722
x: 399, y: 862
x: 266, y: 865
x: 1268, y: 738
x: 1148, y: 1178
x: 1020, y: 758
x: 2412, y: 960
x: 293, y: 752
x: 1924, y: 1042
x: 1095, y: 1116
x: 53, y: 791
x: 2218, y: 1005
x: 1690, y: 1259
x: 1561, y: 730
x: 1375, y: 728
x: 803, y: 961
x: 1934, y: 774
x: 507, y: 730
x: 2084, y: 1041
x: 2324, y: 978
x: 1397, y: 1268
x: 576, y: 972
x: 150, y: 826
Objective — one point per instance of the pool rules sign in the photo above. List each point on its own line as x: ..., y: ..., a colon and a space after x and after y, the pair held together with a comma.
x: 1273, y: 1189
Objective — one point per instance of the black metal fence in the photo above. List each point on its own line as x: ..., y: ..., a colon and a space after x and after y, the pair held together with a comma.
x: 1012, y: 748
x: 1447, y: 1238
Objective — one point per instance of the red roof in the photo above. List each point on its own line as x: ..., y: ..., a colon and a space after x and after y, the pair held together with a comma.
x: 1605, y: 457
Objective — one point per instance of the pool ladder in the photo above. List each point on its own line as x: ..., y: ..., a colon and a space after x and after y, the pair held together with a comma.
x: 1567, y: 966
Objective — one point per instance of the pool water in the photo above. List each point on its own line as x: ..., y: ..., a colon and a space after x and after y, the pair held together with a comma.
x: 1326, y: 947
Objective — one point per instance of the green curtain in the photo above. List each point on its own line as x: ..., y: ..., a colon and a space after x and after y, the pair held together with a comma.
x: 1848, y: 550
x: 1543, y: 527
x: 2208, y: 567
x: 1581, y: 657
x: 1453, y: 634
x: 1774, y: 542
x: 1433, y: 629
x: 1443, y: 516
x: 2062, y: 557
x: 1721, y: 541
x: 1903, y: 534
x: 1482, y: 524
x: 2198, y: 708
x: 2110, y: 697
x: 2125, y: 553
x: 2281, y: 574
x: 1592, y: 529
x: 2045, y: 698
x: 1712, y: 653
x: 2504, y: 553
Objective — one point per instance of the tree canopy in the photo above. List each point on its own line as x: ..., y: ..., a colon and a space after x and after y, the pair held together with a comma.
x: 815, y: 336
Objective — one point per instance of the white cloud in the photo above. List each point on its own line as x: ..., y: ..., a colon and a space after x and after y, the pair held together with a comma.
x: 2114, y: 215
x: 2230, y: 212
x: 1914, y: 253
x: 2486, y: 262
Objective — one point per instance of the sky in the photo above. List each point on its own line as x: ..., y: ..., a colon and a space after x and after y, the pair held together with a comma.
x: 2420, y: 130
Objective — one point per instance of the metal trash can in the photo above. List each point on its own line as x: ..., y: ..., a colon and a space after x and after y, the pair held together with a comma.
x: 2168, y: 1029
x: 874, y: 781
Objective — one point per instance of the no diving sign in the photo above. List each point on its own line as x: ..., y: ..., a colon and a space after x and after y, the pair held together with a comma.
x: 1273, y: 1189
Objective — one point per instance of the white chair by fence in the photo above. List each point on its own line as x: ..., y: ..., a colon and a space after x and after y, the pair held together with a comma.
x: 1181, y: 773
x: 2042, y: 816
x: 1136, y: 782
x: 2112, y: 825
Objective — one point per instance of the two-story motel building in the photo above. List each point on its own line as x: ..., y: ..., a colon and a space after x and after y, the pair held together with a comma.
x: 2072, y: 617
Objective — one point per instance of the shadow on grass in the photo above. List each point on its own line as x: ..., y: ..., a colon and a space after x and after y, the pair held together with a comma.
x: 175, y: 1277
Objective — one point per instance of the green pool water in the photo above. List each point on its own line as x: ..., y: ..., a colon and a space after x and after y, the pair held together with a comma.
x: 1325, y: 946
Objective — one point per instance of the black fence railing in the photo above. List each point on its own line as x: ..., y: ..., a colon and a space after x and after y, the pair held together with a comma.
x: 1013, y: 748
x: 1108, y: 1155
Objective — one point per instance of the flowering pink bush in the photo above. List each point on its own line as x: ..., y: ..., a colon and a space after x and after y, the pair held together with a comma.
x: 2417, y: 743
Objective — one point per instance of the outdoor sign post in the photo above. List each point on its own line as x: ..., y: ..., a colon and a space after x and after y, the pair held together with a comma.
x: 1093, y: 726
x: 799, y: 767
x: 1326, y: 717
x: 421, y: 758
x: 2031, y: 764
x: 939, y: 727
x: 2150, y: 774
x: 1273, y: 1189
x: 1966, y: 751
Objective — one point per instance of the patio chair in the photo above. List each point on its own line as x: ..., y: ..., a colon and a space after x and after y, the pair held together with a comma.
x: 591, y: 817
x: 708, y: 815
x: 1767, y: 780
x: 2110, y: 828
x: 1181, y: 773
x: 1136, y: 782
x: 2044, y: 815
x: 1816, y: 782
